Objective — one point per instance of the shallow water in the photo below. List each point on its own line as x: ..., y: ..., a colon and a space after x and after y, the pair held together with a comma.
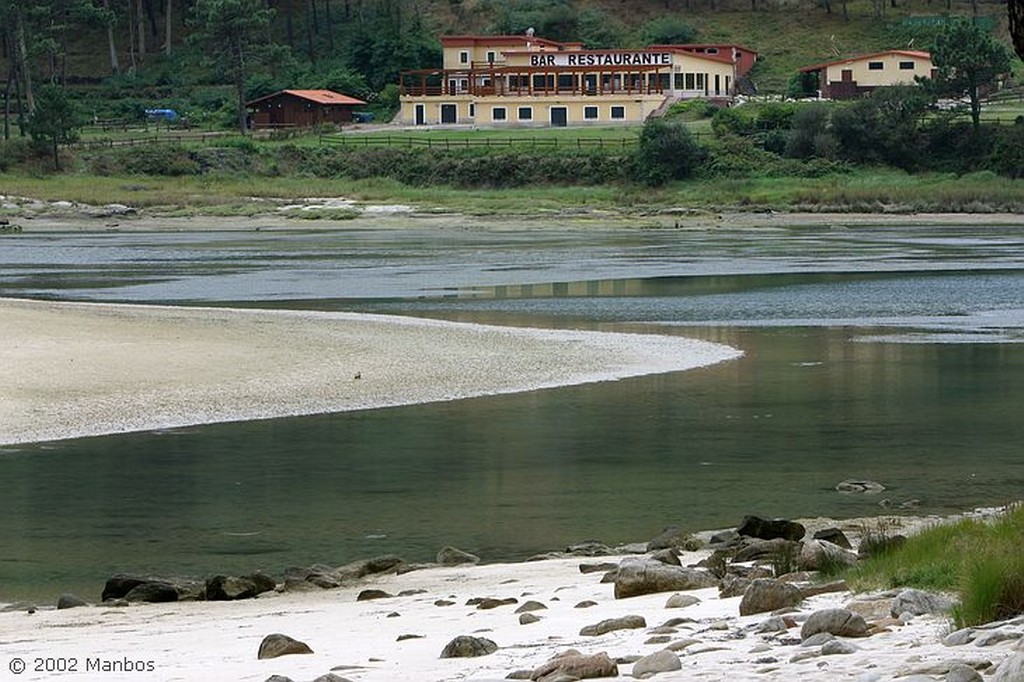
x: 891, y: 354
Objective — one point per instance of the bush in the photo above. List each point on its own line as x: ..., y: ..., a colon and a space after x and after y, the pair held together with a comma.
x: 666, y: 151
x: 167, y: 160
x: 810, y: 123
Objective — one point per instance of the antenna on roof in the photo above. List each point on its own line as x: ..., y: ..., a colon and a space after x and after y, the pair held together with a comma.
x: 530, y: 32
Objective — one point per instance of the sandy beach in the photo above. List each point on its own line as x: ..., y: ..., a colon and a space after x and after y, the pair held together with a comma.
x: 79, y: 369
x: 400, y: 636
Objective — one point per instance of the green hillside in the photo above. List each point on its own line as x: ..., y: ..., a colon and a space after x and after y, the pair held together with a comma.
x: 359, y: 46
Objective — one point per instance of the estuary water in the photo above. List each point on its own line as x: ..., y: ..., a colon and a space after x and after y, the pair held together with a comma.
x: 880, y: 352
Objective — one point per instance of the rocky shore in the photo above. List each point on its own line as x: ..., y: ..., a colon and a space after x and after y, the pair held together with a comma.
x: 748, y: 603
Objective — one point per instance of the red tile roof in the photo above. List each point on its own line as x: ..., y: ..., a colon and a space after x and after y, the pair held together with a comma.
x: 318, y: 96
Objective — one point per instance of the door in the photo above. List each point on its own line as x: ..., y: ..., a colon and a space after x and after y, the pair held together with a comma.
x: 448, y: 113
x: 559, y: 117
x: 421, y: 114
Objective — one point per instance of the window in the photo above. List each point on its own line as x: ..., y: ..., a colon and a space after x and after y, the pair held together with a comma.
x: 875, y: 66
x: 498, y: 114
x: 590, y: 113
x: 690, y: 84
x: 679, y: 82
x: 472, y: 110
x: 906, y: 66
x: 525, y: 113
x: 618, y: 112
x: 712, y: 50
x: 490, y: 57
x: 463, y: 57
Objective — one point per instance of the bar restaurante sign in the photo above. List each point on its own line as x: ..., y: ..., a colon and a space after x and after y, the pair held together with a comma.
x: 602, y: 59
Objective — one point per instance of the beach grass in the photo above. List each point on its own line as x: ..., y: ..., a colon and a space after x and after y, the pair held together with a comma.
x: 978, y: 559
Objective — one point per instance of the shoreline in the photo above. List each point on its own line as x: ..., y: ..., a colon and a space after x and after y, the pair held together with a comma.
x: 400, y: 631
x: 117, y: 368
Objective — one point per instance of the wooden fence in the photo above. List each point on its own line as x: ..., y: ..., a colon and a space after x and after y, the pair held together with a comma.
x: 369, y: 140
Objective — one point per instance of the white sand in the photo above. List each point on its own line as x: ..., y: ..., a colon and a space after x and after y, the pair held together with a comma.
x: 219, y: 641
x: 80, y: 369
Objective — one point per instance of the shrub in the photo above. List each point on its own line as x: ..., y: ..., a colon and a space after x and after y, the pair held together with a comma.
x: 666, y: 151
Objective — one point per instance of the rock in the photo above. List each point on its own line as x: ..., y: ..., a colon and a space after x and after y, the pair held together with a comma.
x: 528, y: 618
x: 765, y: 529
x: 578, y: 666
x: 733, y: 586
x: 819, y: 555
x: 277, y: 644
x: 852, y: 485
x: 70, y: 601
x: 659, y: 662
x: 995, y: 637
x: 450, y: 556
x: 879, y: 544
x: 153, y: 588
x: 767, y: 549
x: 724, y: 537
x: 673, y: 538
x: 331, y: 677
x: 824, y: 588
x: 835, y: 536
x: 870, y: 609
x: 444, y: 602
x: 602, y: 567
x: 666, y: 556
x: 647, y: 577
x: 531, y: 606
x: 230, y: 588
x: 818, y: 639
x: 367, y: 595
x: 606, y: 626
x: 489, y: 603
x: 768, y: 595
x: 681, y: 601
x: 279, y: 678
x: 960, y: 672
x: 387, y: 563
x: 465, y: 646
x: 153, y: 592
x: 837, y: 647
x: 402, y: 638
x: 773, y: 624
x: 590, y: 548
x: 959, y: 637
x: 1011, y: 669
x: 839, y: 622
x: 585, y: 604
x: 919, y: 602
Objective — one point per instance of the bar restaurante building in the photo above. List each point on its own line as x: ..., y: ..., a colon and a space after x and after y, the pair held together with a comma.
x: 526, y: 80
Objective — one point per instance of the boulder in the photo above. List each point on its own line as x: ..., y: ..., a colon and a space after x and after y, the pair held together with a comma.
x: 770, y: 529
x: 817, y: 555
x: 491, y: 603
x: 681, y: 601
x: 666, y: 556
x: 961, y: 672
x: 528, y: 618
x: 611, y: 624
x: 852, y: 485
x: 733, y: 586
x: 70, y: 601
x: 230, y: 588
x: 647, y: 577
x: 757, y: 550
x: 369, y: 594
x: 602, y: 567
x: 152, y: 588
x: 451, y: 556
x: 835, y: 536
x: 575, y: 665
x: 465, y: 646
x: 765, y: 594
x: 531, y: 605
x: 673, y: 538
x: 589, y: 548
x: 1011, y: 669
x: 277, y: 644
x: 839, y: 622
x: 387, y: 563
x: 919, y: 602
x: 659, y: 662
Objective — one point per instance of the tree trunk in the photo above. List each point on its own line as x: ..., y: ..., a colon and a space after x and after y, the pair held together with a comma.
x: 167, y: 26
x: 240, y: 86
x: 56, y: 155
x: 1016, y: 10
x: 115, y: 66
x: 7, y: 102
x: 330, y: 25
x: 22, y: 59
x: 140, y: 29
x: 310, y: 30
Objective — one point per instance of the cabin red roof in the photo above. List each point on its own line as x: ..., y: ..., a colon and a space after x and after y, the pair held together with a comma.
x: 861, y: 57
x: 318, y: 96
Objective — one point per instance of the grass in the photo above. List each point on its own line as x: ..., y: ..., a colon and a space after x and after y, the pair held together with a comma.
x: 877, y: 191
x: 981, y: 560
